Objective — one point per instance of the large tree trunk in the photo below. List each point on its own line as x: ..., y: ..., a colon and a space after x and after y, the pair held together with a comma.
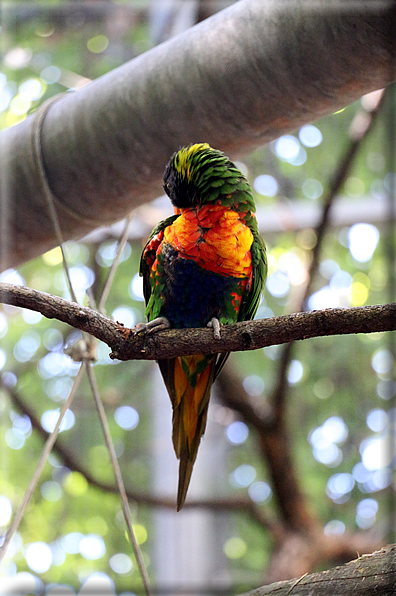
x: 237, y: 80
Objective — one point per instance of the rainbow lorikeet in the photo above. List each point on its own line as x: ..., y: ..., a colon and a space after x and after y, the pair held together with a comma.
x: 205, y: 265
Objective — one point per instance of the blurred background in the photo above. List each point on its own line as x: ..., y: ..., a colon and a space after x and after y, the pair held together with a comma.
x: 297, y: 459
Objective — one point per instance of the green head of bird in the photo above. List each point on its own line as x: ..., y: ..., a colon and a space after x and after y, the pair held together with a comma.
x: 198, y: 174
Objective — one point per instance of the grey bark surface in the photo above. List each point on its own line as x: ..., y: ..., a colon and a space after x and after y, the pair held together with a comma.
x: 368, y: 575
x: 237, y: 80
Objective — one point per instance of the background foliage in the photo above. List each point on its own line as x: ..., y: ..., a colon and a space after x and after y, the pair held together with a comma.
x: 339, y: 406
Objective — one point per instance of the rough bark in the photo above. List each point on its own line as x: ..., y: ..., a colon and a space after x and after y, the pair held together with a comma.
x: 365, y: 576
x: 237, y: 80
x: 248, y: 335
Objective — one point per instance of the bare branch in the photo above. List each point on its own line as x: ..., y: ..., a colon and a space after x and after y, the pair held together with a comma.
x: 359, y: 129
x: 248, y: 335
x: 367, y: 575
x: 70, y: 460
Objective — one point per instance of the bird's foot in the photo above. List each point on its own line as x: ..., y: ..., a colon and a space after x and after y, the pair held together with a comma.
x: 158, y: 324
x: 215, y: 323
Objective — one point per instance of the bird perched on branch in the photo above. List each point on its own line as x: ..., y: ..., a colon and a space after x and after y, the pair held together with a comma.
x: 203, y: 266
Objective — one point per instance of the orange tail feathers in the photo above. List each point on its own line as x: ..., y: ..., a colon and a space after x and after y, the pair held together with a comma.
x: 189, y: 380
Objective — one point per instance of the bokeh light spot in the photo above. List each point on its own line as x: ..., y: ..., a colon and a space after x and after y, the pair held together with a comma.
x: 244, y: 475
x: 38, y: 556
x: 71, y: 542
x: 97, y: 44
x: 31, y: 90
x: 312, y: 188
x: 121, y: 563
x: 359, y: 294
x: 377, y: 420
x: 260, y: 492
x: 335, y: 430
x: 3, y: 326
x: 75, y: 484
x: 295, y: 372
x: 339, y: 487
x: 14, y: 438
x: 376, y: 453
x: 266, y: 185
x: 237, y: 432
x: 310, y: 135
x: 19, y: 106
x: 278, y: 284
x: 323, y: 388
x: 140, y: 533
x: 11, y: 276
x: 92, y: 547
x: 51, y: 74
x: 124, y: 315
x: 51, y: 491
x: 324, y: 298
x: 126, y: 417
x: 382, y: 362
x: 327, y: 268
x: 3, y: 359
x: 334, y: 527
x: 5, y: 510
x: 287, y: 148
x: 253, y: 385
x: 386, y: 389
x: 354, y: 187
x: 136, y: 288
x: 363, y: 239
x: 366, y: 511
x: 50, y: 418
x: 235, y: 548
x: 53, y: 257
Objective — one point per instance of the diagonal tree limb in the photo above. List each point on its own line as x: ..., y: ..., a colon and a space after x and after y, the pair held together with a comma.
x: 19, y: 514
x: 361, y: 126
x: 275, y: 443
x: 274, y: 448
x: 71, y: 461
x: 365, y: 576
x: 248, y: 335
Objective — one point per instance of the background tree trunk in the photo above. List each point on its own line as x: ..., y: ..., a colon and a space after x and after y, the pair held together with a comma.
x: 237, y: 80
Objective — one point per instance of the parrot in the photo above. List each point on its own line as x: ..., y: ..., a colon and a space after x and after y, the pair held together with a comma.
x: 203, y: 266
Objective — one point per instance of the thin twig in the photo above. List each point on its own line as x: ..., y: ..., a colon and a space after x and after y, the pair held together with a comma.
x: 40, y: 466
x: 118, y: 476
x: 38, y: 155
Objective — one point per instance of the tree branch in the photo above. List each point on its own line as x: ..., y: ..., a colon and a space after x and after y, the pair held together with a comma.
x: 71, y: 461
x: 365, y: 576
x: 248, y: 335
x: 360, y: 127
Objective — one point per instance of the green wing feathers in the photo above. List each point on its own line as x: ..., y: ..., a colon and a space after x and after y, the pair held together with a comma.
x: 251, y: 299
x: 151, y: 294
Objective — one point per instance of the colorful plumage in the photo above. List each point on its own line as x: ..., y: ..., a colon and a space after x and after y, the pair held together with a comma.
x: 206, y: 263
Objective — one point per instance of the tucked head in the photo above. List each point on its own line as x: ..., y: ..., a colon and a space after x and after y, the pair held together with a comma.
x: 199, y: 174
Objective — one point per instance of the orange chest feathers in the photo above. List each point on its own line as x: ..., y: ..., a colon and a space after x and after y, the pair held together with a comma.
x: 214, y: 236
